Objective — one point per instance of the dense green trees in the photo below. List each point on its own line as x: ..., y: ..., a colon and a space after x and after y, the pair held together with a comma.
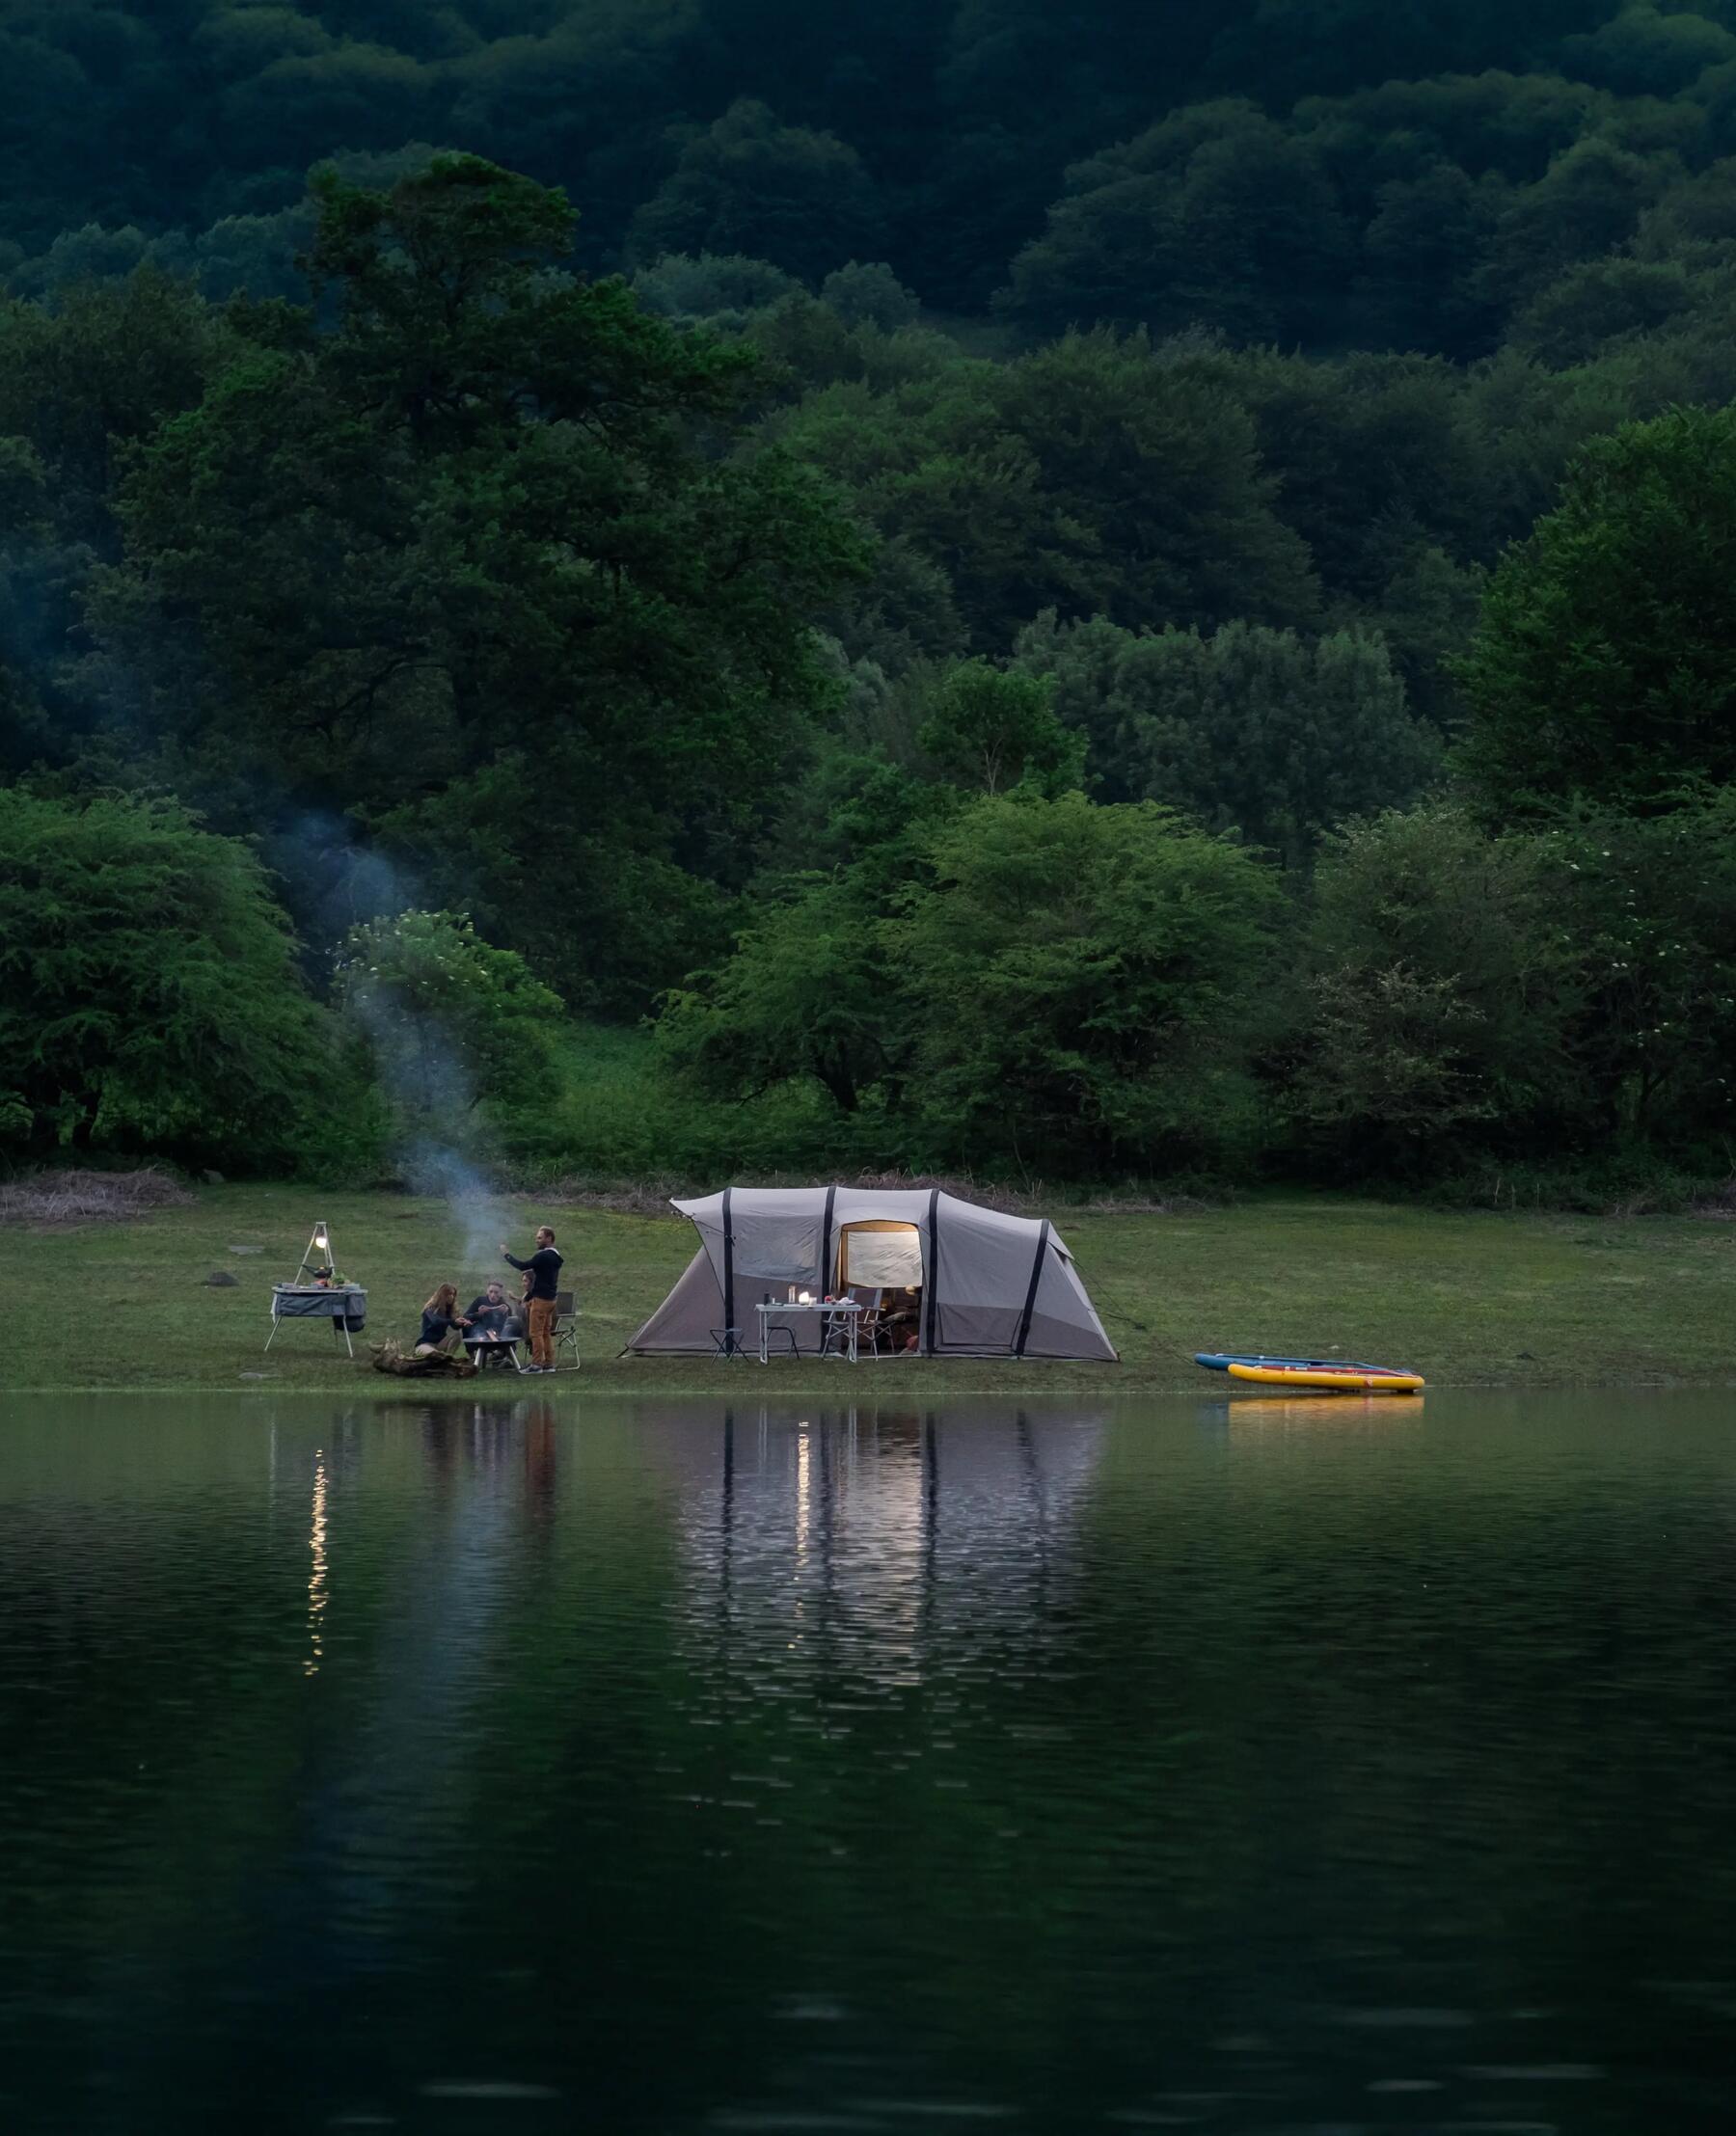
x: 1216, y: 215
x: 1254, y: 730
x: 479, y: 521
x: 799, y: 199
x: 1545, y: 993
x: 149, y: 997
x: 807, y: 992
x: 996, y: 731
x: 1263, y: 167
x: 1068, y: 512
x: 1605, y: 664
x: 1040, y: 982
x: 1085, y: 987
x: 449, y: 1019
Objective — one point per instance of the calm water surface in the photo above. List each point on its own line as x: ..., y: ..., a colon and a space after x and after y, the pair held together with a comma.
x: 533, y: 1767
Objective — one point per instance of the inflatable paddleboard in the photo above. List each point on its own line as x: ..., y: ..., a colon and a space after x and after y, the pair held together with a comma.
x: 1220, y: 1361
x: 1328, y: 1379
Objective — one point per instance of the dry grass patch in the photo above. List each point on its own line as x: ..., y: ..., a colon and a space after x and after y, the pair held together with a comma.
x: 73, y: 1196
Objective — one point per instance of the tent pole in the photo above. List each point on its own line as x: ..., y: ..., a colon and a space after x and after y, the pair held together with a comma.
x: 826, y: 1239
x: 729, y: 1318
x: 933, y: 1272
x: 1030, y: 1303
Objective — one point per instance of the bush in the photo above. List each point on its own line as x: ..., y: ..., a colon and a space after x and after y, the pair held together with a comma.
x: 450, y: 1021
x: 1084, y: 987
x: 623, y: 1114
x: 1439, y: 991
x: 1542, y: 998
x: 150, y: 999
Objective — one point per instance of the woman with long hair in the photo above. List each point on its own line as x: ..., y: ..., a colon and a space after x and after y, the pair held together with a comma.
x: 441, y: 1320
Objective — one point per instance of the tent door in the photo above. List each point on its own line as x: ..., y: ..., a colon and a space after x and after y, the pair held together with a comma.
x: 880, y: 1255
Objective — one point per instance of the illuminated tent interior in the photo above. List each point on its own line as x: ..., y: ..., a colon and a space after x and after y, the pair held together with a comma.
x: 984, y: 1284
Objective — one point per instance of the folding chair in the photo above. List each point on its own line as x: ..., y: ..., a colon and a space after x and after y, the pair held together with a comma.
x: 567, y: 1326
x: 868, y: 1296
x: 727, y: 1343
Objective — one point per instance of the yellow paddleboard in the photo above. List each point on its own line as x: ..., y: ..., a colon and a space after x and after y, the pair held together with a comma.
x: 1327, y: 1382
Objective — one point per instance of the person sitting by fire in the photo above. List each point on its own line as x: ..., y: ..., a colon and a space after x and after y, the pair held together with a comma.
x: 441, y: 1320
x: 492, y: 1314
x: 544, y: 1269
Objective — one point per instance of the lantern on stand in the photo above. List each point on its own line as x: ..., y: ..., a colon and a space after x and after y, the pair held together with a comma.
x: 317, y: 1292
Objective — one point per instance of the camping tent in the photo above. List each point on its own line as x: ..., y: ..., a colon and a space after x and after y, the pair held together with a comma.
x: 990, y: 1286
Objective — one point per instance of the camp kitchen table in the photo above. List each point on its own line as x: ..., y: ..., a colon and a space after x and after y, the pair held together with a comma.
x: 845, y: 1309
x: 344, y: 1305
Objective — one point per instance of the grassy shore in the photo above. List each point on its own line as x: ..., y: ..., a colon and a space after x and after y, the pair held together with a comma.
x: 1470, y: 1300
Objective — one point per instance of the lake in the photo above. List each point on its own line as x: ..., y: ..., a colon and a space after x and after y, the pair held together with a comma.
x: 533, y: 1764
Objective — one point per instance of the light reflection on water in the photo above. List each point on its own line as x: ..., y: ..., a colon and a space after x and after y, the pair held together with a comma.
x: 1249, y: 1766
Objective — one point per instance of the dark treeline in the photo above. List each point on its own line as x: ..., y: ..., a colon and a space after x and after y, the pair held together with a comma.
x: 1139, y: 589
x: 1331, y: 172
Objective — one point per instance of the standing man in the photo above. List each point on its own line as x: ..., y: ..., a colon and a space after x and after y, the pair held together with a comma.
x: 544, y: 1266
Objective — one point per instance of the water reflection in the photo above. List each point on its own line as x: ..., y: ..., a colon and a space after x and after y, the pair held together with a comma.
x: 316, y: 1576
x: 871, y: 1534
x: 679, y: 1767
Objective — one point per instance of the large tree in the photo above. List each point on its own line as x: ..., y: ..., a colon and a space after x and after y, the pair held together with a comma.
x: 1272, y: 735
x: 487, y: 514
x: 1084, y: 985
x: 1604, y: 668
x: 148, y: 995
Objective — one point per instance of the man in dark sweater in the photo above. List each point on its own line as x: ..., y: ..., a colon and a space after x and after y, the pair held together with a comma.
x: 544, y: 1266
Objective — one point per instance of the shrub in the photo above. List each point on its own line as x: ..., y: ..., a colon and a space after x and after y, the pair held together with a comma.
x: 1084, y: 986
x: 150, y: 999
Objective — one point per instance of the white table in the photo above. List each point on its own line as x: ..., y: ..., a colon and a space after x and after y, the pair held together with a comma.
x: 845, y: 1309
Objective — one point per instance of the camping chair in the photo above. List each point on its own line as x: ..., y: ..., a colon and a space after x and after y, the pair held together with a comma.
x: 565, y: 1330
x: 837, y: 1332
x: 727, y: 1343
x: 870, y: 1333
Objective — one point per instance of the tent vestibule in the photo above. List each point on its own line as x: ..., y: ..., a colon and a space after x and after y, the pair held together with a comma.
x: 988, y: 1285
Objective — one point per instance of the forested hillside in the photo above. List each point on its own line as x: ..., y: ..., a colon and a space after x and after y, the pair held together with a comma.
x: 1139, y: 589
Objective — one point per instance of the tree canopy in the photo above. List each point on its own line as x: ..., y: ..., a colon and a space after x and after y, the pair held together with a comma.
x: 1136, y: 586
x: 149, y: 1001
x: 1605, y: 664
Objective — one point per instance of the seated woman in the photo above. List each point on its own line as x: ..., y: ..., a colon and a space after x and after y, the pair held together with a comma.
x: 441, y: 1320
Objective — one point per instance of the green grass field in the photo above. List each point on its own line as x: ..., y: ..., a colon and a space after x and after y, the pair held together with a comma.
x: 1470, y: 1300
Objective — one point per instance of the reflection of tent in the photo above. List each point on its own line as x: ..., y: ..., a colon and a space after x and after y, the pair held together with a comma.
x: 992, y: 1286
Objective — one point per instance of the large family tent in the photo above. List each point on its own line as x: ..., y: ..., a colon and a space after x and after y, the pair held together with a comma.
x: 988, y: 1285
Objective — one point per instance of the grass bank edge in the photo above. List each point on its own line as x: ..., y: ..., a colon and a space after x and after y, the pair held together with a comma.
x: 1470, y: 1299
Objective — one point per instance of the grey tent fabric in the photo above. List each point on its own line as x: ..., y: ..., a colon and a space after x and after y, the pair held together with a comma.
x: 685, y: 1320
x: 994, y: 1285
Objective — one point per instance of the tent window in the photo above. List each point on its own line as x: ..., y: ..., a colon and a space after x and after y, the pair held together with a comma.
x: 881, y: 1256
x: 779, y: 1247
